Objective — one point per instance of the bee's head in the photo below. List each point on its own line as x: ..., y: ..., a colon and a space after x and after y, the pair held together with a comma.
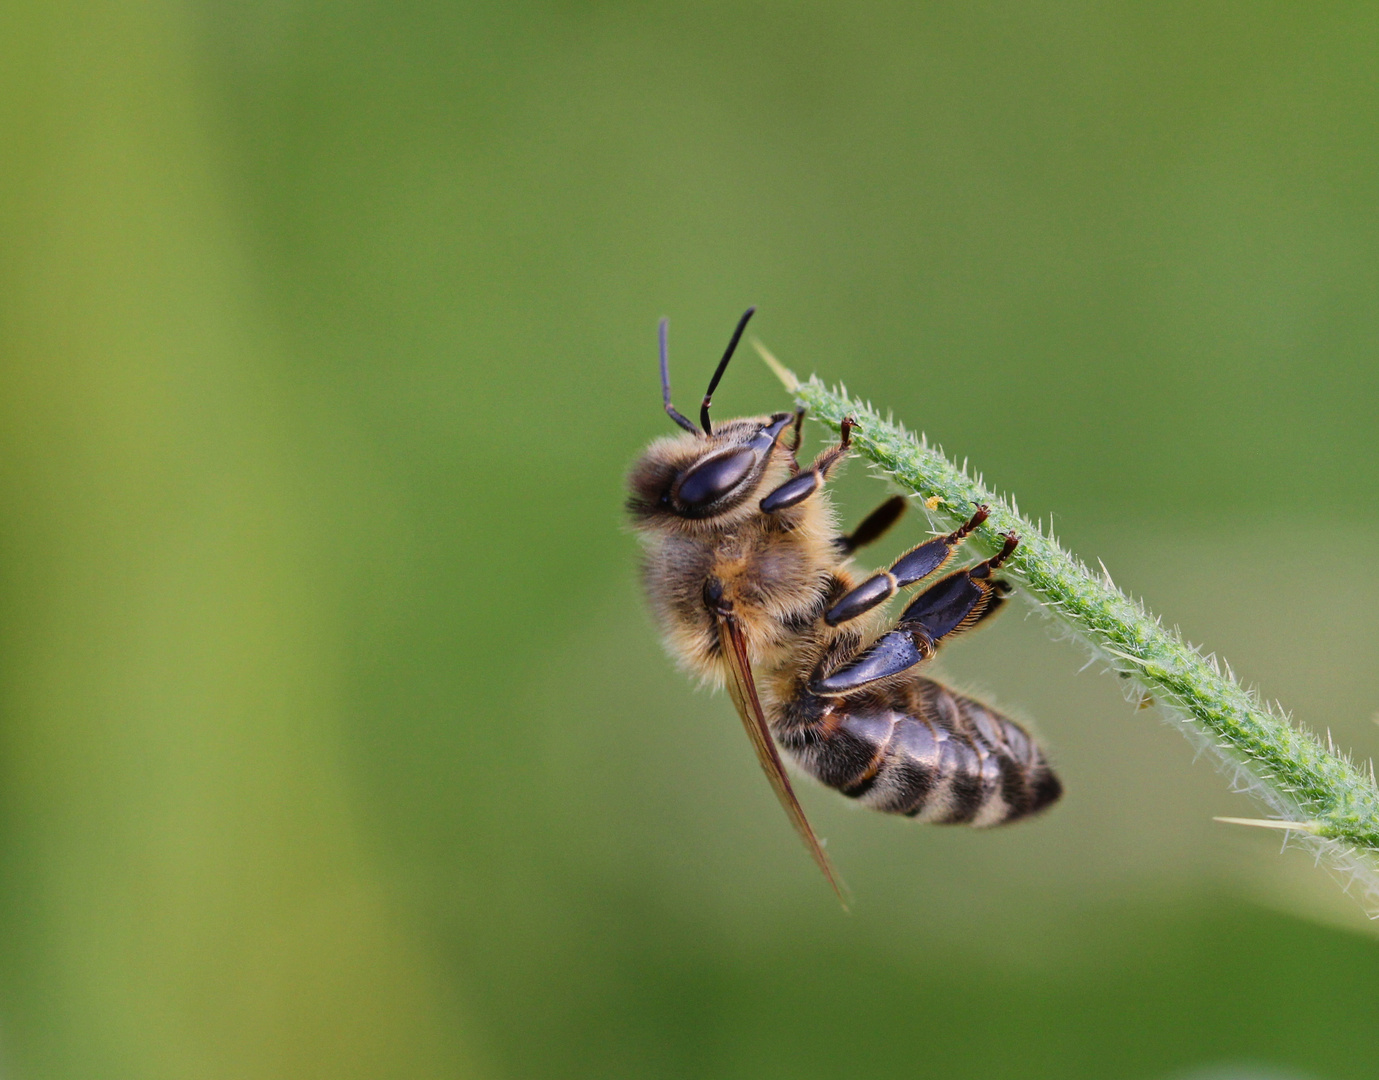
x: 706, y: 473
x: 695, y: 478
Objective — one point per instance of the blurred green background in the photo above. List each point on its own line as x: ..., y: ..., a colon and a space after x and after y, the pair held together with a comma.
x: 334, y: 738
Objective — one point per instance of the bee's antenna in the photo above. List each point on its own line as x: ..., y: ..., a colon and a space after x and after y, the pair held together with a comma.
x: 685, y: 423
x: 722, y: 366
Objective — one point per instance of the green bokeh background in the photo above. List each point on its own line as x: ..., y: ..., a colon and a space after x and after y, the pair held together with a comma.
x: 334, y: 739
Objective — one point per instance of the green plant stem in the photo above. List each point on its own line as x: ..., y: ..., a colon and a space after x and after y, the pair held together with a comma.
x: 1316, y: 789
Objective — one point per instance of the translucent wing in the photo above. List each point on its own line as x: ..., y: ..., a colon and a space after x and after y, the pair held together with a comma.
x: 743, y: 691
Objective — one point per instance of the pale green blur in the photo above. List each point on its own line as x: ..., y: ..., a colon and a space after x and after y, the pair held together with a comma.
x: 334, y: 739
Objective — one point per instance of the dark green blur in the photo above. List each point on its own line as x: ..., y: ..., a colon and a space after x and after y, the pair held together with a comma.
x: 334, y: 739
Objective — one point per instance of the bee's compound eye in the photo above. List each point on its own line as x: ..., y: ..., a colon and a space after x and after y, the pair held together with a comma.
x: 712, y: 479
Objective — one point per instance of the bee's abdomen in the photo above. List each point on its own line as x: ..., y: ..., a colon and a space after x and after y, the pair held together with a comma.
x: 922, y: 751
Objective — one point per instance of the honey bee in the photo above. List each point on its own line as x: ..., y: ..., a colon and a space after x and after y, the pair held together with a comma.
x: 746, y: 571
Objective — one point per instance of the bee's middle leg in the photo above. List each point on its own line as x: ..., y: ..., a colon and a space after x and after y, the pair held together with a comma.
x: 950, y: 605
x: 915, y: 565
x: 873, y: 527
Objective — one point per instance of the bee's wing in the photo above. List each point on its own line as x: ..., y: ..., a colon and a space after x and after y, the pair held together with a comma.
x: 743, y: 691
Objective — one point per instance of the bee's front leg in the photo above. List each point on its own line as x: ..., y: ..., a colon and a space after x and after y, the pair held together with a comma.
x: 802, y: 485
x: 796, y: 438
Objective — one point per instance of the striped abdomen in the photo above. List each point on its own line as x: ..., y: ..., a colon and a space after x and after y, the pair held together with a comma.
x: 920, y: 749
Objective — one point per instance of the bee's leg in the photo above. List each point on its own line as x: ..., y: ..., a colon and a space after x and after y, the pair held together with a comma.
x: 802, y: 485
x: 873, y: 526
x: 1000, y: 589
x: 914, y: 565
x: 950, y: 605
x: 961, y: 600
x: 797, y: 437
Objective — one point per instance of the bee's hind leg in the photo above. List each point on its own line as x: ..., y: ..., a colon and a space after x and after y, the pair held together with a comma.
x: 950, y: 605
x: 963, y: 599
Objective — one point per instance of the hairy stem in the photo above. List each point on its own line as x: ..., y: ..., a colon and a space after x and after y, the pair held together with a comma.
x: 1317, y: 790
